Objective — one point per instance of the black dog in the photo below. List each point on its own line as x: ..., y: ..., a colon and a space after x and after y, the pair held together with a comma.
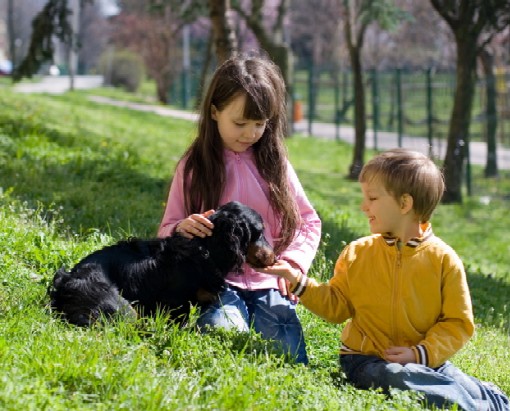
x: 167, y: 274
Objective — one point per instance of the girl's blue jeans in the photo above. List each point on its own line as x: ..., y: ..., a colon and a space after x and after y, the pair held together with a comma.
x: 442, y: 386
x: 267, y: 311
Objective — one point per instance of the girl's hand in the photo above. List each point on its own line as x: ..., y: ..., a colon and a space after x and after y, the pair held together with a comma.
x: 284, y: 286
x: 196, y: 225
x: 401, y: 355
x: 282, y: 268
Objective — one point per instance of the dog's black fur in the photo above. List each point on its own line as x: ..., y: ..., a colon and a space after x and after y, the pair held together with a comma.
x: 167, y: 274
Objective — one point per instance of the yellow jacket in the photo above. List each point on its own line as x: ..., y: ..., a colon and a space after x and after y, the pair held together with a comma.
x: 415, y: 295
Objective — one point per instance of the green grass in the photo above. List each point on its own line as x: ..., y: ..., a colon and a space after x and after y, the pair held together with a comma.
x: 60, y: 155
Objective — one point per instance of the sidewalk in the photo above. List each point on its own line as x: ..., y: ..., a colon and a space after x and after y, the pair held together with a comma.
x: 58, y: 84
x: 385, y: 140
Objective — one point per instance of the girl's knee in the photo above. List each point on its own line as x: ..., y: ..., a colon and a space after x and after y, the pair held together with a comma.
x: 229, y: 318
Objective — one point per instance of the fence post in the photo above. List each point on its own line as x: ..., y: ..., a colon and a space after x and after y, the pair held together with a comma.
x: 375, y: 104
x: 186, y: 65
x: 185, y: 88
x: 430, y: 116
x: 469, y: 186
x: 292, y: 101
x: 337, y: 107
x: 398, y: 74
x: 311, y: 96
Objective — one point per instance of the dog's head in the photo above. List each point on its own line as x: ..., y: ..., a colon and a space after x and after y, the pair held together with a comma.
x: 85, y: 298
x: 244, y: 228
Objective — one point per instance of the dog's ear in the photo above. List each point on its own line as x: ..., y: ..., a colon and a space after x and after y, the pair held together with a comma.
x: 59, y: 276
x: 58, y: 279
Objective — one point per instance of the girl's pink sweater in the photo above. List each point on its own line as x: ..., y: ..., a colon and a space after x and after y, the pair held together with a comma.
x: 244, y: 184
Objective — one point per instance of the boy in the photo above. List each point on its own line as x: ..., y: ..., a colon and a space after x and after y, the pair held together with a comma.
x: 403, y: 289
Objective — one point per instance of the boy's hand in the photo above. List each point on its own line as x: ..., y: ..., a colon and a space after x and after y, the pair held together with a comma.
x: 401, y: 355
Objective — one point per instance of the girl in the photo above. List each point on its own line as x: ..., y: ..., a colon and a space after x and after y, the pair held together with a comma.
x: 239, y: 154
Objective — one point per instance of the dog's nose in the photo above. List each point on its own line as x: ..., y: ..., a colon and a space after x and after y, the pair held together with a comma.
x: 260, y: 257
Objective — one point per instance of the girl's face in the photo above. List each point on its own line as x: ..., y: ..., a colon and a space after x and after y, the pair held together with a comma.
x: 385, y: 214
x: 238, y: 133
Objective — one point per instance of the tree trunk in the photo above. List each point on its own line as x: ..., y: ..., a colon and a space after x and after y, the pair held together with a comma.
x: 359, y: 115
x: 162, y: 90
x: 487, y: 59
x: 271, y: 41
x: 458, y: 133
x: 225, y: 41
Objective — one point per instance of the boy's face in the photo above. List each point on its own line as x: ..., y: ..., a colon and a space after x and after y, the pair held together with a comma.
x: 237, y: 133
x: 384, y: 212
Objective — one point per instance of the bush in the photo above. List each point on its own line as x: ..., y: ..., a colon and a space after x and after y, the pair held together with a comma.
x: 122, y: 69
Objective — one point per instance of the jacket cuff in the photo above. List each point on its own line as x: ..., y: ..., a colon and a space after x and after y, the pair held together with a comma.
x: 300, y: 286
x: 421, y: 355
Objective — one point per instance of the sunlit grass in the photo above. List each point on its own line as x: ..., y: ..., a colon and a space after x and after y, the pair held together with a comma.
x: 75, y: 176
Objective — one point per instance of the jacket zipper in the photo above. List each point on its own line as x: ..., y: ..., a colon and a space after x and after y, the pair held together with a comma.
x: 237, y: 157
x: 396, y: 295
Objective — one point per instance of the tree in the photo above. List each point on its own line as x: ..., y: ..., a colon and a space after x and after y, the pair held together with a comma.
x: 271, y: 38
x: 93, y: 37
x: 51, y: 21
x: 224, y: 37
x: 154, y: 37
x: 467, y: 20
x: 20, y: 14
x: 357, y: 16
x: 425, y: 40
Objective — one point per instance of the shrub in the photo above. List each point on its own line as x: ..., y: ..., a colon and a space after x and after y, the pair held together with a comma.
x: 123, y: 69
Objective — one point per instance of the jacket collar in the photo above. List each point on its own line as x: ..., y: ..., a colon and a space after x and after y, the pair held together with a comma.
x: 413, y: 242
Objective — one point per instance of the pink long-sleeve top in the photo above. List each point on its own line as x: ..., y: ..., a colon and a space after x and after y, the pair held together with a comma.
x: 244, y: 184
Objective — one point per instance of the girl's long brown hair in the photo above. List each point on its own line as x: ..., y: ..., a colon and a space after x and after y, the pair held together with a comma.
x: 204, y: 171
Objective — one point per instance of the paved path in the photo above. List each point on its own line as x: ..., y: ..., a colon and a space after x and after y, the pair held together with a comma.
x: 161, y: 110
x: 385, y: 140
x: 58, y: 84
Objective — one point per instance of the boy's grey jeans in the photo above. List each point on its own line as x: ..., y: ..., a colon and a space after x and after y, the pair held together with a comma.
x: 442, y: 386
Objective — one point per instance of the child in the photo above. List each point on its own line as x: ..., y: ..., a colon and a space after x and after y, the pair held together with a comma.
x: 239, y: 154
x: 403, y: 289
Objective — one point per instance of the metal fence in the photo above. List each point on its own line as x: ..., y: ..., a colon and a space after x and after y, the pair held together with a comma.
x: 410, y: 103
x: 416, y: 103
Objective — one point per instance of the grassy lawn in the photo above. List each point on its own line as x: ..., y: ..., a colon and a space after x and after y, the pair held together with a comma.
x: 75, y: 176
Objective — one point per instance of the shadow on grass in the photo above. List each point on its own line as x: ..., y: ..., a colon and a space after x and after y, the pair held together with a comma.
x: 93, y: 187
x: 491, y: 304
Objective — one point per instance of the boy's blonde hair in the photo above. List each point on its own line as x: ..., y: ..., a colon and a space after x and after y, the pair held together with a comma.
x: 407, y: 172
